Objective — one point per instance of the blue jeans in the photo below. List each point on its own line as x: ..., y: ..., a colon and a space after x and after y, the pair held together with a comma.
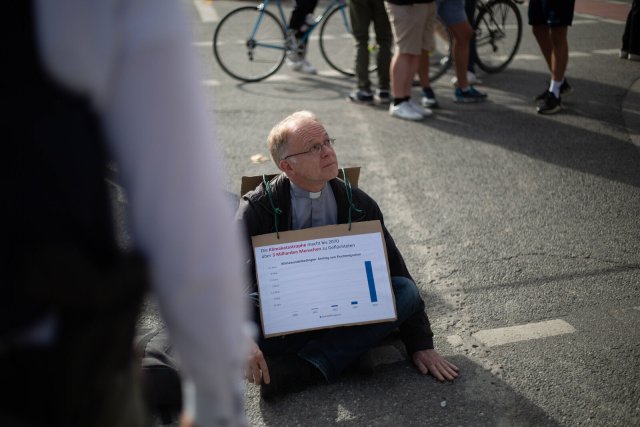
x: 333, y: 350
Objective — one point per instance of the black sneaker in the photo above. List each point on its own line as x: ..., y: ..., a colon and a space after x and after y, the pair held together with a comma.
x: 428, y: 99
x: 289, y: 374
x: 361, y: 96
x: 565, y: 89
x: 384, y: 97
x: 550, y: 104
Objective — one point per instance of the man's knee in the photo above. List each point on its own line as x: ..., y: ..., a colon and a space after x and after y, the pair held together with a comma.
x: 407, y: 295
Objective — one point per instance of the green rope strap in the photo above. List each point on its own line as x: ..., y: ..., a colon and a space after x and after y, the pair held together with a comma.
x: 347, y: 186
x: 276, y: 211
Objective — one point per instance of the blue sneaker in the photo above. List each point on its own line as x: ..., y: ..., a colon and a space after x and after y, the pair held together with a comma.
x: 468, y: 96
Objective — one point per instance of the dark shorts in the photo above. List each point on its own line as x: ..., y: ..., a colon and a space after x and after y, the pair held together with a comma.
x: 554, y: 13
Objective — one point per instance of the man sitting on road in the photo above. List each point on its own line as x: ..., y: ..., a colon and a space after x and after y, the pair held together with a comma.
x: 309, y: 194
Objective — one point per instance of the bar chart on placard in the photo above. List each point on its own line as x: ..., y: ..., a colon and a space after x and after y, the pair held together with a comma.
x: 322, y: 283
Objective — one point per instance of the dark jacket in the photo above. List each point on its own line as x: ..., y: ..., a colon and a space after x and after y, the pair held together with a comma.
x: 257, y: 214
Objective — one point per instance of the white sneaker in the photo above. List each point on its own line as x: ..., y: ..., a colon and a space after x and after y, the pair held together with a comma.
x: 404, y: 111
x: 423, y: 111
x: 294, y: 65
x: 306, y: 67
x: 471, y: 78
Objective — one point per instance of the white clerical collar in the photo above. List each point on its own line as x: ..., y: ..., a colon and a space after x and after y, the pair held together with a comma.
x: 299, y: 192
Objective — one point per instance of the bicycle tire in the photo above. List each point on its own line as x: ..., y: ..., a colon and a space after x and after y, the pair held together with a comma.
x: 440, y: 58
x: 337, y: 44
x: 245, y: 58
x: 498, y: 34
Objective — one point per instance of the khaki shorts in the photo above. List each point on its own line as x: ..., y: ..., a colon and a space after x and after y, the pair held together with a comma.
x: 413, y: 26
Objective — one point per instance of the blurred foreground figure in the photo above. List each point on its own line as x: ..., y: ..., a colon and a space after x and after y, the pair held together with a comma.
x: 91, y: 81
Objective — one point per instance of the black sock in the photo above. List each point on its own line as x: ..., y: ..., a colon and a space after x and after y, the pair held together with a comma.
x: 397, y: 101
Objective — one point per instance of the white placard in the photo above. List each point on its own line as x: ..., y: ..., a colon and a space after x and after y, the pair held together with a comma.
x: 323, y: 282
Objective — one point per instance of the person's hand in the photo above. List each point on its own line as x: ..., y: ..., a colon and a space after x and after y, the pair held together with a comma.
x: 256, y: 370
x: 186, y: 421
x: 431, y: 362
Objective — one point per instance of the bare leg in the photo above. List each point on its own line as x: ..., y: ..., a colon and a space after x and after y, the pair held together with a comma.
x: 560, y: 52
x: 542, y: 35
x: 403, y: 67
x: 423, y: 69
x: 462, y: 34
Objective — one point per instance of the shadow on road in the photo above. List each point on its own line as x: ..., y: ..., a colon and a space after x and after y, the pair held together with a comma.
x: 583, y: 137
x: 396, y: 395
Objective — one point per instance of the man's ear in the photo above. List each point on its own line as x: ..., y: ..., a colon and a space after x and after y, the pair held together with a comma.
x: 285, y: 166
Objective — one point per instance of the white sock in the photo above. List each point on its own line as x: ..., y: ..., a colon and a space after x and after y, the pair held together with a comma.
x: 555, y: 87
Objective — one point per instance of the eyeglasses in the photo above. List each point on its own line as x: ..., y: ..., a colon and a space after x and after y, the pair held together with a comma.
x: 315, y: 148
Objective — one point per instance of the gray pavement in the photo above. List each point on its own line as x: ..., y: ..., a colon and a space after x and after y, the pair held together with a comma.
x: 505, y: 218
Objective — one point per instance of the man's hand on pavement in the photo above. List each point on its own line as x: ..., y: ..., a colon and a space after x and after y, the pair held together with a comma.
x: 431, y: 362
x: 256, y: 370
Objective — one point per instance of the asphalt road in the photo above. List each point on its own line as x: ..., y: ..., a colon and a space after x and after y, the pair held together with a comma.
x: 506, y: 218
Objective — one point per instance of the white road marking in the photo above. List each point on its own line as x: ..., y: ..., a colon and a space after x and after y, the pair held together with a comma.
x: 591, y: 20
x: 206, y: 11
x: 527, y: 57
x: 530, y: 331
x: 579, y: 55
x: 607, y: 51
x: 636, y: 308
x: 203, y: 44
x: 211, y: 83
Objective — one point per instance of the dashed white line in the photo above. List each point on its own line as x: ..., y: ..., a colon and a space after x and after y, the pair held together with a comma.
x: 607, y: 51
x: 530, y: 331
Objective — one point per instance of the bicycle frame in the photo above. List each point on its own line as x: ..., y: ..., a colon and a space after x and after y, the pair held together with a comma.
x: 283, y: 20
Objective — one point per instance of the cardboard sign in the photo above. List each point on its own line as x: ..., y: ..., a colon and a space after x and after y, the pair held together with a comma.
x: 323, y: 277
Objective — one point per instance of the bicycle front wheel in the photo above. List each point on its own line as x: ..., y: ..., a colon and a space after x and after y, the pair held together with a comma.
x: 249, y: 44
x: 337, y: 44
x: 498, y: 34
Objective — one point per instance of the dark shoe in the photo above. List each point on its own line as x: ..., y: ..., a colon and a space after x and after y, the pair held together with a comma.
x: 289, y: 374
x: 429, y: 98
x: 383, y: 96
x: 361, y: 96
x: 565, y: 89
x: 550, y: 104
x: 471, y: 95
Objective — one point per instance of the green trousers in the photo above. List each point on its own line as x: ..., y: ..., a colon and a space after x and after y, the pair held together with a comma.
x: 362, y: 14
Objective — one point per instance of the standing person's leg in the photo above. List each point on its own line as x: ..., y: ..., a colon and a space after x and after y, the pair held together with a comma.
x: 559, y: 16
x: 407, y: 22
x: 559, y: 52
x: 384, y: 39
x: 470, y: 11
x: 542, y: 35
x: 462, y: 34
x: 428, y: 99
x: 298, y: 61
x: 634, y: 31
x: 360, y: 14
x: 453, y: 15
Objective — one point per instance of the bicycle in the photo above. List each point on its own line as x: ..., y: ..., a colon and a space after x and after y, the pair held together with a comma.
x: 251, y: 43
x: 498, y: 33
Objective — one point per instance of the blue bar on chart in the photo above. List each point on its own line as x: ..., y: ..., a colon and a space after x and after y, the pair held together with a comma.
x: 372, y: 284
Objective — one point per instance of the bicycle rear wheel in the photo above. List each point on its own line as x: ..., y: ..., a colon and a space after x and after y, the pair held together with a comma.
x: 498, y: 34
x: 440, y: 58
x: 337, y: 44
x: 246, y: 56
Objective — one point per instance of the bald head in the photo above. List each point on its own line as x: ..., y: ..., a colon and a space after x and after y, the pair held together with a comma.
x: 281, y: 133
